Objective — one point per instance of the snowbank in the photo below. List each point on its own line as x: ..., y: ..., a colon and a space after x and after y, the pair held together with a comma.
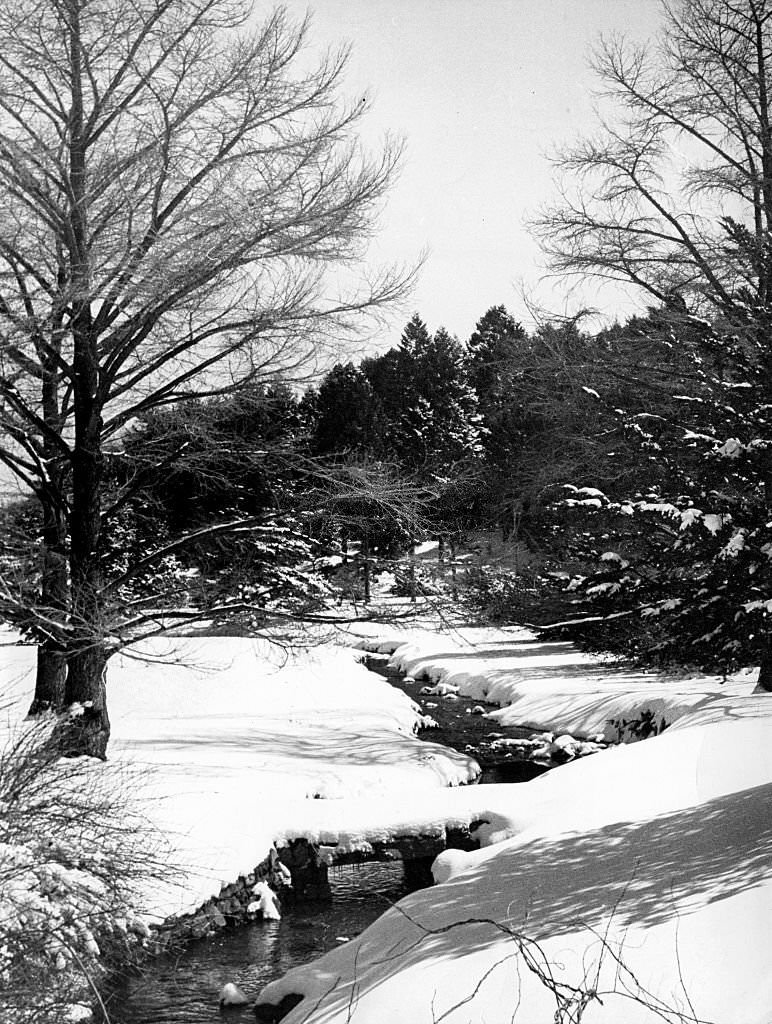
x: 642, y: 874
x: 234, y: 738
x: 637, y: 882
x: 551, y: 685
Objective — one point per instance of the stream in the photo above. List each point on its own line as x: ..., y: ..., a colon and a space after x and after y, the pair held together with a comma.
x: 183, y: 988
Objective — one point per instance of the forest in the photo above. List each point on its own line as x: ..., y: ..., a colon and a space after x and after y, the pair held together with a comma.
x: 294, y: 579
x: 628, y: 467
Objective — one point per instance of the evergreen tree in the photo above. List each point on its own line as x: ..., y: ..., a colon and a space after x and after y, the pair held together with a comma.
x: 687, y: 550
x: 345, y: 412
x: 415, y: 337
x: 702, y: 510
x: 494, y: 348
x: 440, y: 426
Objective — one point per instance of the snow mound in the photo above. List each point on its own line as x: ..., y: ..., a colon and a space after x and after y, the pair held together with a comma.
x: 639, y: 879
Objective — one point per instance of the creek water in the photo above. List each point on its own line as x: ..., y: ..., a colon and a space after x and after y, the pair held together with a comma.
x: 470, y: 733
x: 183, y: 988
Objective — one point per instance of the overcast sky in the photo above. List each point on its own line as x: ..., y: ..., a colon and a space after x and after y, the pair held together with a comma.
x: 479, y: 90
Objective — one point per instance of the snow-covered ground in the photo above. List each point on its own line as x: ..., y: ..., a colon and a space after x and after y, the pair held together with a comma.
x: 549, y: 685
x: 635, y: 885
x: 642, y: 874
x: 231, y: 740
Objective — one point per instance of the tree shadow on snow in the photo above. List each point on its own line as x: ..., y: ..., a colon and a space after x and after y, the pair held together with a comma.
x: 330, y: 745
x: 641, y: 873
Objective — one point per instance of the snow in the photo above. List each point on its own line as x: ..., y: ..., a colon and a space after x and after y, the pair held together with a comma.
x: 614, y: 556
x: 731, y: 448
x: 690, y: 516
x: 265, y: 902
x: 642, y: 874
x: 715, y: 522
x: 552, y: 685
x: 232, y: 739
x: 231, y: 995
x: 734, y: 545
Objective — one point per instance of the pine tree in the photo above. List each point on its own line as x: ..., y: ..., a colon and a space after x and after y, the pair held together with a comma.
x: 345, y: 412
x: 682, y: 545
x: 440, y: 426
x: 704, y: 512
x: 494, y: 347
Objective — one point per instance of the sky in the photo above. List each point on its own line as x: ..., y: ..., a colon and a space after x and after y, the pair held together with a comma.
x: 480, y: 91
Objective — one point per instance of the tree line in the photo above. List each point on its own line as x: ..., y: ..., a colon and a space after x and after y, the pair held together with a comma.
x: 610, y: 455
x: 178, y: 184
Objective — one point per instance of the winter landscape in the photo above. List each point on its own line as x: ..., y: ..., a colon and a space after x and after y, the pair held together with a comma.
x: 380, y: 639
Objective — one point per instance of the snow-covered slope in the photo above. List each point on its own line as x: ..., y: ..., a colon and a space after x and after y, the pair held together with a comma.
x: 550, y: 685
x: 231, y: 739
x: 642, y: 874
x: 635, y: 885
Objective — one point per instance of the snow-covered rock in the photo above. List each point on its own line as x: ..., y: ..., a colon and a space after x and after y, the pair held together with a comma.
x: 440, y: 690
x: 264, y: 903
x: 564, y: 748
x: 232, y: 995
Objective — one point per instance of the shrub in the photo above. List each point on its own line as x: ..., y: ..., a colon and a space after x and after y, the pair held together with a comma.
x: 72, y: 855
x: 640, y: 728
x: 421, y: 582
x: 503, y: 596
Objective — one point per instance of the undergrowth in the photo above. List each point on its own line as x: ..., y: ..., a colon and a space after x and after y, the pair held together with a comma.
x: 74, y: 856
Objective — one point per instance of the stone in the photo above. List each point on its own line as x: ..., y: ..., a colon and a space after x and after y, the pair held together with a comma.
x: 215, y: 917
x: 231, y: 995
x: 232, y: 907
x: 199, y: 927
x: 564, y: 748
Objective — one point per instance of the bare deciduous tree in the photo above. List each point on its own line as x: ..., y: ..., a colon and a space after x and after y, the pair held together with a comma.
x: 174, y: 185
x: 674, y: 195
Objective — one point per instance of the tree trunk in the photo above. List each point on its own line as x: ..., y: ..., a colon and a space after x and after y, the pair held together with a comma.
x: 764, y: 681
x: 366, y: 552
x: 89, y: 730
x: 86, y: 729
x: 51, y: 656
x: 50, y: 676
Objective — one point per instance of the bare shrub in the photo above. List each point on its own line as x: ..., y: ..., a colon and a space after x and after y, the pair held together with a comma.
x: 74, y: 856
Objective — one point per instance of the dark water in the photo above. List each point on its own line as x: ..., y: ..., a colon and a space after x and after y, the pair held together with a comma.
x: 184, y: 988
x: 471, y: 734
